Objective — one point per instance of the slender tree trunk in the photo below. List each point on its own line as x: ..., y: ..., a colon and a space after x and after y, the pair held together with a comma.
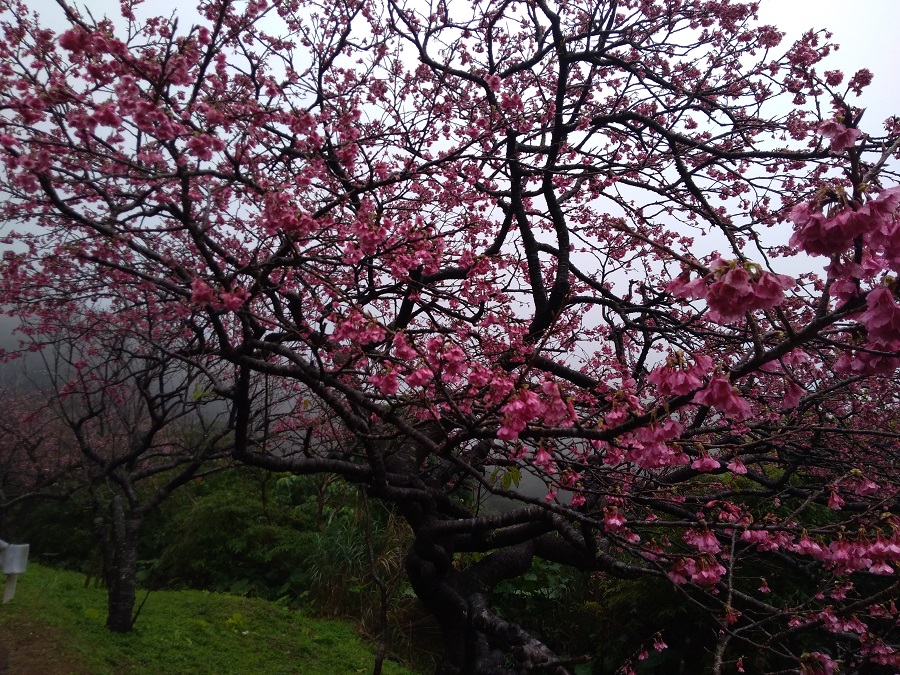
x: 122, y: 591
x: 119, y: 541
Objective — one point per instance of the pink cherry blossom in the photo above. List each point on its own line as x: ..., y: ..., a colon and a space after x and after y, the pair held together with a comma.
x: 841, y: 137
x: 235, y: 299
x: 835, y: 501
x: 807, y: 546
x: 816, y: 233
x: 358, y: 329
x: 682, y: 570
x: 678, y: 376
x: 882, y: 317
x: 442, y: 243
x: 542, y: 458
x: 704, y: 541
x: 733, y: 288
x: 518, y: 413
x: 649, y: 447
x: 613, y: 519
x: 730, y: 296
x: 707, y: 572
x: 816, y: 663
x: 880, y: 567
x: 402, y: 349
x: 387, y: 382
x: 736, y: 466
x: 493, y: 82
x: 557, y: 411
x: 683, y: 287
x: 420, y: 377
x: 865, y: 487
x: 705, y: 463
x: 885, y: 549
x: 833, y: 77
x: 722, y: 395
x: 75, y: 40
x: 866, y: 363
x: 755, y: 536
x: 861, y: 78
x: 201, y: 293
x: 845, y: 555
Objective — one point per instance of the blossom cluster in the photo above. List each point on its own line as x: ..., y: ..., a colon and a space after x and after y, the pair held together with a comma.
x: 203, y: 294
x: 679, y: 376
x: 649, y: 446
x: 732, y: 288
x: 838, y: 230
x: 721, y: 394
x: 843, y: 555
x: 835, y: 230
x: 527, y: 406
x: 841, y: 137
x: 703, y: 571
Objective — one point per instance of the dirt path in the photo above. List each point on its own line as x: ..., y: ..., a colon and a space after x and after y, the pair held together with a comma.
x: 34, y: 649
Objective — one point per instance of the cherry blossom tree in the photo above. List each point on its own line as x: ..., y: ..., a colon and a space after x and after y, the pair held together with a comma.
x: 119, y: 424
x: 638, y: 249
x: 35, y: 454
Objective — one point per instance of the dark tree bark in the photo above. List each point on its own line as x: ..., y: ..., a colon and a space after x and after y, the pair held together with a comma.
x: 119, y: 538
x: 470, y: 257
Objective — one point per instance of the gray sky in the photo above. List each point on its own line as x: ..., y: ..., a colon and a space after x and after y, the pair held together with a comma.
x: 866, y: 30
x: 866, y: 33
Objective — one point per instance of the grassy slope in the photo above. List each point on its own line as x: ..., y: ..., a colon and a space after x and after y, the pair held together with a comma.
x: 54, y: 625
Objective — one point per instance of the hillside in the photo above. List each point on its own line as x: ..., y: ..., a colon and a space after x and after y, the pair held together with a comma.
x: 55, y: 626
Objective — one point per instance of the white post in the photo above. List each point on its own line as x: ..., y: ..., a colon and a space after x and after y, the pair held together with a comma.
x: 10, y: 590
x: 14, y: 560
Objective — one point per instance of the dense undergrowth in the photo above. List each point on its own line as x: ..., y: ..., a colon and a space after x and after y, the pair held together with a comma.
x: 301, y: 542
x: 316, y: 545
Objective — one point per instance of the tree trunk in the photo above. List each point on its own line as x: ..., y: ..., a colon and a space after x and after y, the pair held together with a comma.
x: 447, y: 607
x: 119, y: 543
x: 121, y: 580
x: 477, y: 641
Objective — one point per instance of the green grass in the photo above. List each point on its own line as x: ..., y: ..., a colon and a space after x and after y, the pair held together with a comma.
x: 62, y: 622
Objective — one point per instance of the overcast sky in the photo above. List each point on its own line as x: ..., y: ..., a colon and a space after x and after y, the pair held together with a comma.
x: 865, y: 29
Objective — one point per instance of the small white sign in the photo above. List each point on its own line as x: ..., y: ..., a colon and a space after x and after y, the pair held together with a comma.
x: 14, y: 561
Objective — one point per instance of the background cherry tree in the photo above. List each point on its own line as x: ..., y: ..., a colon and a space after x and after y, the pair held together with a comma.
x: 641, y: 251
x: 114, y: 423
x: 36, y: 451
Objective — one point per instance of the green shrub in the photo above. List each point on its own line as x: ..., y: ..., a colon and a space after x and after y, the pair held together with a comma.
x: 58, y: 531
x: 219, y: 535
